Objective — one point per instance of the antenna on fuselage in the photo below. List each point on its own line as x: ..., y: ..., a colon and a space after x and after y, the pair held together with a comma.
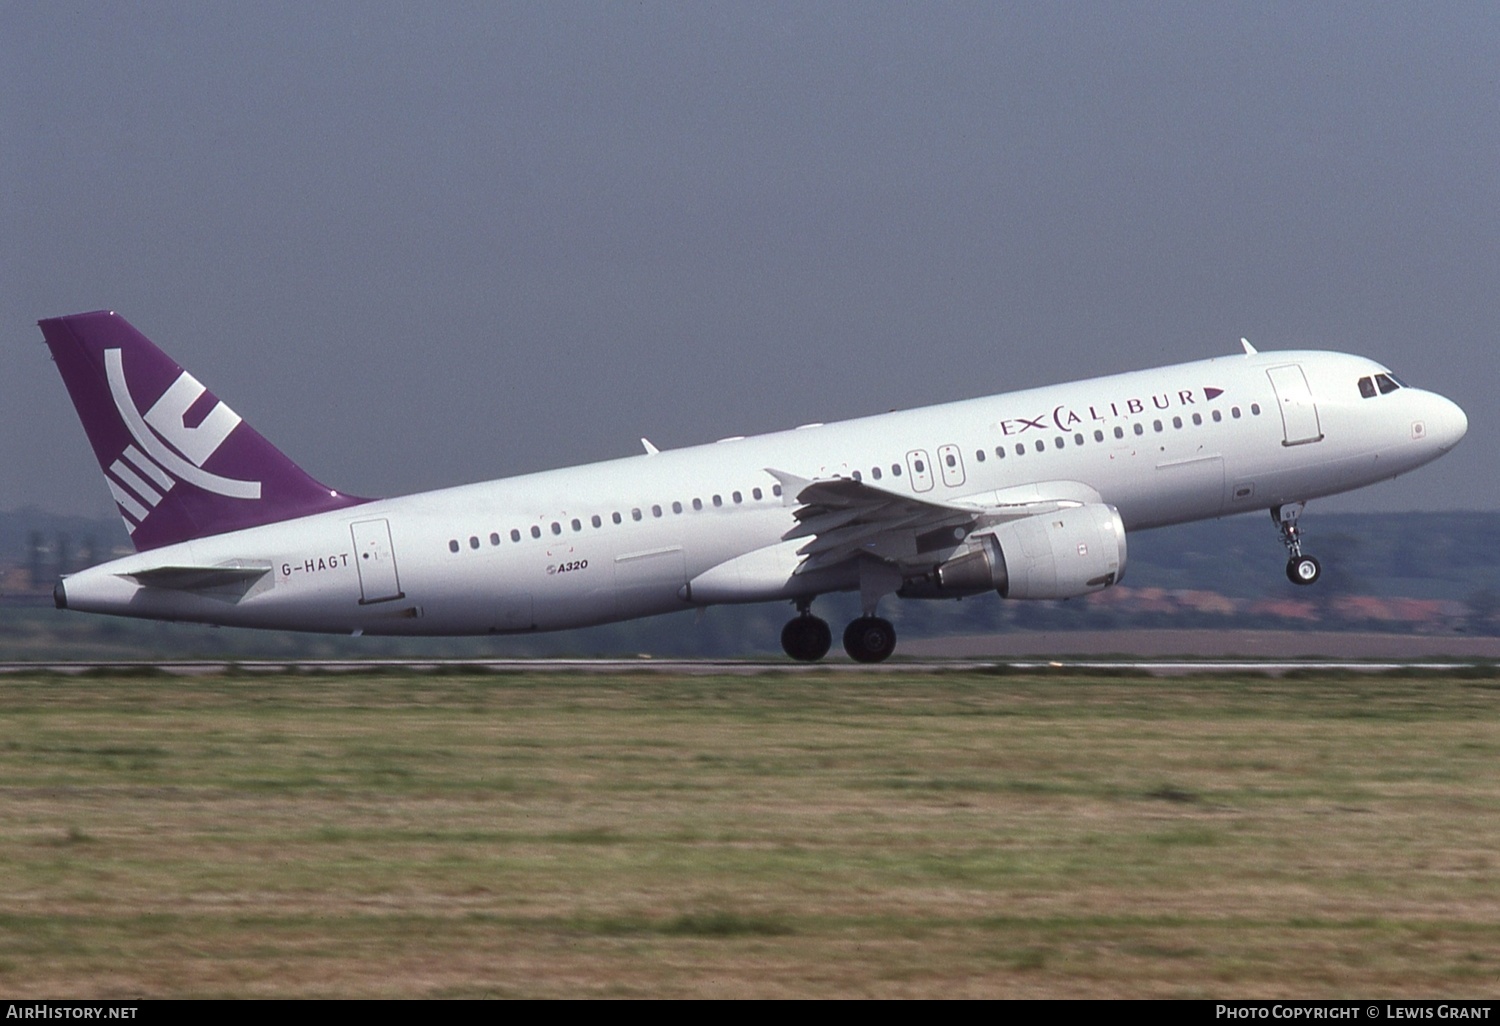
x: 1249, y: 349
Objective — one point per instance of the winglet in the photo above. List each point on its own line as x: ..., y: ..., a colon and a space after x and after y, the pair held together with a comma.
x: 1249, y: 349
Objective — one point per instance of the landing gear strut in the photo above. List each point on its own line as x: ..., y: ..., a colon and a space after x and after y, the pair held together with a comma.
x: 869, y: 639
x: 1300, y: 569
x: 805, y: 637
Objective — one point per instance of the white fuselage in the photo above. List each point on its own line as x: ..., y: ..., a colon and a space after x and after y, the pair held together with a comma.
x: 623, y: 539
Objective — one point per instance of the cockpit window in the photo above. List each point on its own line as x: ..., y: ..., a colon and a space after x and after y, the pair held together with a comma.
x: 1383, y: 383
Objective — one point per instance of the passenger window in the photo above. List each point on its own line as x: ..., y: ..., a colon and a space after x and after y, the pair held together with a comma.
x: 920, y: 466
x: 577, y: 524
x: 979, y: 455
x: 1000, y: 452
x: 718, y: 500
x: 556, y: 527
x: 1119, y: 432
x: 1255, y: 409
x: 875, y: 473
x: 1177, y: 422
x: 1367, y: 387
x: 676, y: 507
x: 697, y: 504
x: 1040, y: 445
x: 857, y: 476
x: 635, y: 514
x: 895, y: 470
x: 536, y: 531
x: 615, y: 517
x: 756, y: 493
x: 473, y: 542
x: 1020, y: 448
x: 1156, y: 425
x: 1234, y: 411
x: 1059, y: 443
x: 1078, y: 439
x: 596, y: 521
x: 494, y: 538
x: 656, y: 511
x: 1218, y: 416
x: 776, y: 490
x: 1140, y: 429
x: 952, y: 460
x: 738, y: 498
x: 453, y: 545
x: 515, y: 535
x: 1197, y: 419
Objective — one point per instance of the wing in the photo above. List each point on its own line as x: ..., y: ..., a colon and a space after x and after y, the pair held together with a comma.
x: 843, y: 518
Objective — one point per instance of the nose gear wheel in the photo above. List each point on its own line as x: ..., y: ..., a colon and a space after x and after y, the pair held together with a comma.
x: 1300, y: 569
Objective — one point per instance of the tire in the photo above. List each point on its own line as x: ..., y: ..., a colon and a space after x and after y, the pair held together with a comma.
x: 870, y: 639
x: 1303, y: 570
x: 806, y: 638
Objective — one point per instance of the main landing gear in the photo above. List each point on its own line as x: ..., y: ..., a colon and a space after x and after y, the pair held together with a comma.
x: 869, y: 639
x: 806, y: 638
x: 1300, y: 569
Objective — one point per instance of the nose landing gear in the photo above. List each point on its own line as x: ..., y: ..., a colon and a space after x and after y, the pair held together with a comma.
x: 1300, y: 569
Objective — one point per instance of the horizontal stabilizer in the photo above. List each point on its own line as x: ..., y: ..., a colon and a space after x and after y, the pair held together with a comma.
x: 199, y: 578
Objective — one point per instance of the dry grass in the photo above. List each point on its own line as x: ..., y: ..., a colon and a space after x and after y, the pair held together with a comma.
x: 765, y: 836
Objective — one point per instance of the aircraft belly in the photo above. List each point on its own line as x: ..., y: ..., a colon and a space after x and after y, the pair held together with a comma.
x: 1329, y: 477
x: 1186, y: 489
x: 647, y: 581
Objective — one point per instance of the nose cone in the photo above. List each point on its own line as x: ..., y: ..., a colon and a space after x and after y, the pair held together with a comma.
x: 1446, y: 422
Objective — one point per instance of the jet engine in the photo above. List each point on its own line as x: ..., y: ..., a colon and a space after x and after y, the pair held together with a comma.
x: 1049, y: 556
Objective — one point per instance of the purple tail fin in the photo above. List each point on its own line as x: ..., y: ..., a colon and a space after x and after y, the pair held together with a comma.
x: 179, y: 463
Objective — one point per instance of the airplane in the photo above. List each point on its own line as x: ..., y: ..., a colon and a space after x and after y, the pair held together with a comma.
x: 1028, y: 494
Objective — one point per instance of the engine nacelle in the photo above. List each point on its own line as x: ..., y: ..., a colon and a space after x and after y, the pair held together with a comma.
x: 1049, y: 556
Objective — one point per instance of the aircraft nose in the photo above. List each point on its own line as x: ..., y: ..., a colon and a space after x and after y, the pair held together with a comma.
x: 1446, y: 422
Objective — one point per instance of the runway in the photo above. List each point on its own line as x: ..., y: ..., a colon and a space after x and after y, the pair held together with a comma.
x: 732, y: 667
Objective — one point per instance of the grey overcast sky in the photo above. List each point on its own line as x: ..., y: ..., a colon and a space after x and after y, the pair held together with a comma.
x: 425, y: 244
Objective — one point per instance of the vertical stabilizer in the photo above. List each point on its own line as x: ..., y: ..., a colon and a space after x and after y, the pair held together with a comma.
x: 179, y: 462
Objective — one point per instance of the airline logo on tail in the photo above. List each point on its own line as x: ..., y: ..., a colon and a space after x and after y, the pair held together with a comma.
x: 167, y: 450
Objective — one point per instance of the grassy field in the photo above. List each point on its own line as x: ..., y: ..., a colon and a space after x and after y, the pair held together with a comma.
x: 769, y: 836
